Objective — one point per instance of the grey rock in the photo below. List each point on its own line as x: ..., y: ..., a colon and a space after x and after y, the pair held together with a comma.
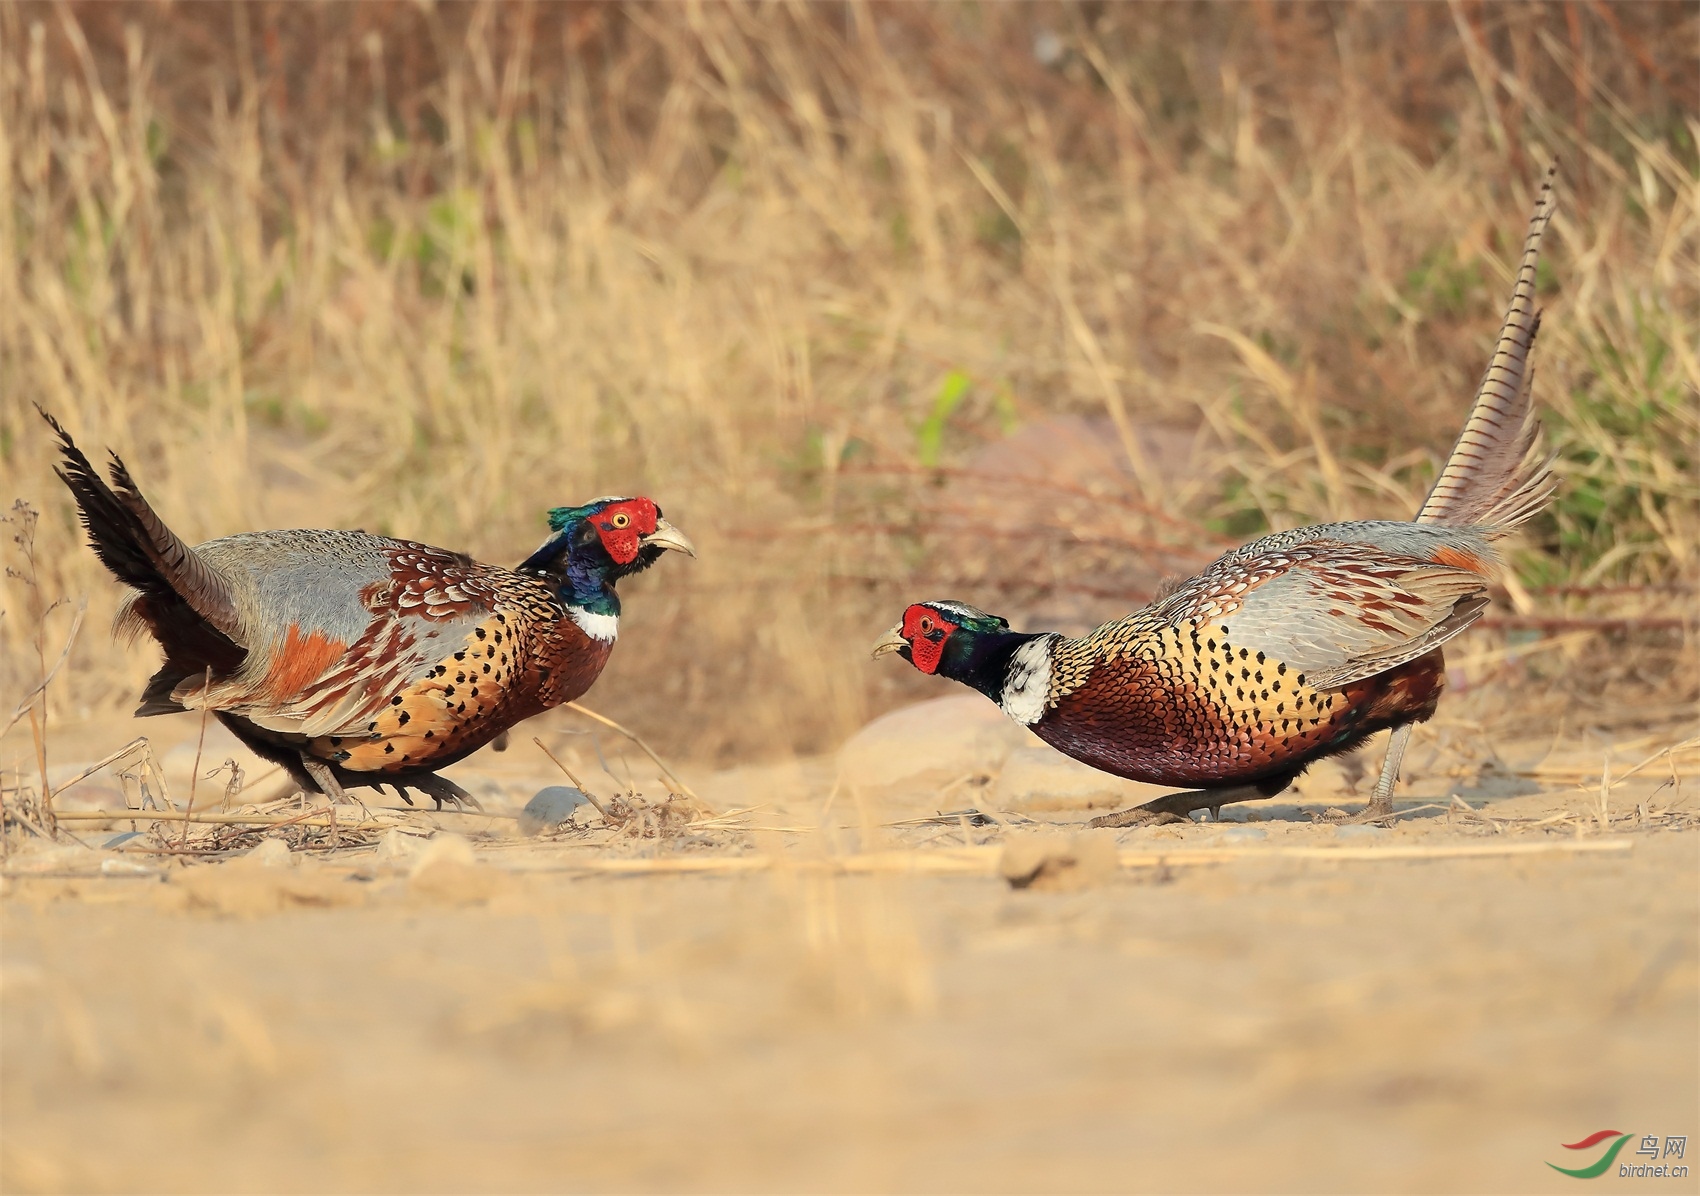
x: 930, y: 744
x: 549, y: 808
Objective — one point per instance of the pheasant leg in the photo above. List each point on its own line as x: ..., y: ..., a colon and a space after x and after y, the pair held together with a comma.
x: 441, y: 789
x: 1381, y: 797
x: 325, y: 778
x: 1175, y: 807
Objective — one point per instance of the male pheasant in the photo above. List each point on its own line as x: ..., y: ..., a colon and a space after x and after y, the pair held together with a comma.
x: 353, y: 659
x: 1296, y: 646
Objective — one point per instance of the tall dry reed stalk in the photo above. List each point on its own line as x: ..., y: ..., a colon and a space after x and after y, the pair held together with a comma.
x: 792, y: 268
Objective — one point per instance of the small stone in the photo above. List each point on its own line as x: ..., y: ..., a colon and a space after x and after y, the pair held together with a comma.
x: 449, y: 871
x: 395, y: 846
x: 1351, y: 831
x: 271, y: 853
x: 551, y: 807
x: 1057, y: 863
x: 444, y: 848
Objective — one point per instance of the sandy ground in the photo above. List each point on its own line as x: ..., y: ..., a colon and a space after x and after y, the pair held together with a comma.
x: 419, y: 1014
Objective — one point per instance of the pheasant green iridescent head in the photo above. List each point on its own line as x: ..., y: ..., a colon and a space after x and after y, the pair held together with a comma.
x: 604, y: 540
x: 940, y: 637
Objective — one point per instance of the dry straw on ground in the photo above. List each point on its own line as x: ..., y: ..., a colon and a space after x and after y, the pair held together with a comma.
x: 799, y: 270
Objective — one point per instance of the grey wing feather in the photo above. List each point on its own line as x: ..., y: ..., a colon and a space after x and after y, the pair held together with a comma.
x: 318, y: 581
x: 1339, y: 612
x: 311, y: 578
x: 1464, y: 613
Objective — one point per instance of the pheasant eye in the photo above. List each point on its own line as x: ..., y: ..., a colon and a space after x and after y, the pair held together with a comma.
x: 926, y: 624
x: 621, y: 519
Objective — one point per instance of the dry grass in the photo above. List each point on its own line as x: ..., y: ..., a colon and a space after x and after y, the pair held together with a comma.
x: 795, y: 270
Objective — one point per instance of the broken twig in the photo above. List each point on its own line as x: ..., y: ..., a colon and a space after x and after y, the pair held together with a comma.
x: 647, y: 750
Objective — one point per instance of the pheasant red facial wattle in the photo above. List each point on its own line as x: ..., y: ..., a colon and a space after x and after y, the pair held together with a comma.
x: 621, y: 526
x: 925, y: 630
x: 353, y: 659
x: 1297, y: 646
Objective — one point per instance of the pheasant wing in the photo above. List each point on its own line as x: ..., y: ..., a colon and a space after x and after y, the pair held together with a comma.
x: 1336, y: 612
x: 353, y: 631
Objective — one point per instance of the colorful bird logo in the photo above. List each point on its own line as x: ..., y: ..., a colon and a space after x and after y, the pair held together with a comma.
x: 1605, y: 1160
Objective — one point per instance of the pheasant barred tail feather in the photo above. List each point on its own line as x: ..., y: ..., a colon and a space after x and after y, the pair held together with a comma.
x: 1498, y: 476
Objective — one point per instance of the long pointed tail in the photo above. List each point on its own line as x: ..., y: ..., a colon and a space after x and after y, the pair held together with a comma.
x: 1498, y: 475
x: 136, y: 545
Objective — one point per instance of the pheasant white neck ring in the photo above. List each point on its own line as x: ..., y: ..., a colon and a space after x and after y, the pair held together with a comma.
x: 1027, y: 684
x: 598, y: 627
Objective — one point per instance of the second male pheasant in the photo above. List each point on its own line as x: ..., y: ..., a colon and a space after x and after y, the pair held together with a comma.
x: 1297, y: 646
x: 353, y: 659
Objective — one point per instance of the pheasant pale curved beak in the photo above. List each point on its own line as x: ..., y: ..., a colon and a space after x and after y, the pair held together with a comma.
x: 666, y: 535
x: 891, y: 641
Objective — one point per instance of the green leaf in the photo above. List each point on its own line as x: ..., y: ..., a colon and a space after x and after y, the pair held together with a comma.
x: 929, y: 437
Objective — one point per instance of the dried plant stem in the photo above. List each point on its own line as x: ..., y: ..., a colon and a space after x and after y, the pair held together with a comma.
x: 308, y: 819
x: 1605, y: 792
x: 577, y: 784
x: 195, y: 772
x: 444, y: 810
x: 647, y: 750
x: 18, y: 813
x: 28, y: 702
x: 113, y: 758
x: 37, y: 699
x: 1672, y: 750
x: 983, y: 860
x: 38, y: 734
x: 1587, y: 622
x: 1446, y: 851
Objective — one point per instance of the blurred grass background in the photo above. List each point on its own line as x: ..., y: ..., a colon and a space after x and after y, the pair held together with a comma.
x: 1028, y: 305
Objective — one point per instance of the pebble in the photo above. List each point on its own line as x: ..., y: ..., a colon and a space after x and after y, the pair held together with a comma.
x: 1360, y: 832
x: 271, y: 853
x: 395, y: 846
x: 551, y: 807
x: 1059, y: 863
x: 448, y: 870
